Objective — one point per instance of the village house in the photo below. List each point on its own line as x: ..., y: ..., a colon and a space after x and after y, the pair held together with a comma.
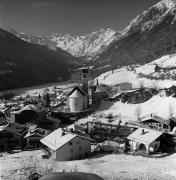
x: 11, y: 136
x: 149, y: 141
x: 158, y: 123
x: 92, y: 125
x: 34, y: 135
x: 66, y: 146
x: 27, y: 113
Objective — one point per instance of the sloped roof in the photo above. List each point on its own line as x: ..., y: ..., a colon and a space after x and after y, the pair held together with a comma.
x: 56, y: 139
x: 31, y: 107
x: 14, y: 128
x: 36, y: 132
x: 156, y: 118
x: 77, y: 92
x: 147, y: 138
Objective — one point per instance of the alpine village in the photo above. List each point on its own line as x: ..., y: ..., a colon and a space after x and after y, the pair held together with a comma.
x: 103, y: 111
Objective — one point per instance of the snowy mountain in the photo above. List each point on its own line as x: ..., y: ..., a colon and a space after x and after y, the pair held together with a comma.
x: 149, y: 36
x: 87, y: 46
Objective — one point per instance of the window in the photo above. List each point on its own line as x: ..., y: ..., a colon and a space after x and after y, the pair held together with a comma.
x: 165, y: 126
x: 84, y: 76
x: 70, y: 143
x: 80, y: 148
x: 159, y: 125
x: 80, y: 156
x: 71, y: 150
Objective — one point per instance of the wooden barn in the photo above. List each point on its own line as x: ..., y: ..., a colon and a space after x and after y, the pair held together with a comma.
x: 11, y: 136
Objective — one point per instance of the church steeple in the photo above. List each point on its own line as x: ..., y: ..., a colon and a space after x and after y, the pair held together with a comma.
x: 85, y: 77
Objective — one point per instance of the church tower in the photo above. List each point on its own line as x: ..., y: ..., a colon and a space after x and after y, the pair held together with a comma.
x: 85, y: 78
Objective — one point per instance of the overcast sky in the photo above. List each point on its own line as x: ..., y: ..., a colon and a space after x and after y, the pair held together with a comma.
x: 77, y: 17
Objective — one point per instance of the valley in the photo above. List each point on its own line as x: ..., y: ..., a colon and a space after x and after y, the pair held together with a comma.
x: 103, y: 102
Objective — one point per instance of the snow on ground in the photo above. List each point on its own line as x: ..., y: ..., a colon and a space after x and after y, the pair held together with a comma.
x: 157, y: 105
x: 164, y: 62
x: 125, y: 75
x: 109, y: 166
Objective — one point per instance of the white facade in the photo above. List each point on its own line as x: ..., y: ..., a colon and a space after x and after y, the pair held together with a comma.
x: 149, y: 148
x: 75, y: 149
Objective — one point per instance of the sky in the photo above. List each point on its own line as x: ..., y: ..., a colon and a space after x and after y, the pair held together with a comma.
x: 76, y: 17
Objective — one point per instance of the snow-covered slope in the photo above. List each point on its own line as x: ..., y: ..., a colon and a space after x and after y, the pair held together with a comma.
x: 89, y: 45
x: 157, y: 105
x: 144, y: 75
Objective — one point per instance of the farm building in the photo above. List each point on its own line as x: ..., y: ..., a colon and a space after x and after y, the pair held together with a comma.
x: 149, y: 141
x: 158, y: 123
x: 91, y: 125
x: 27, y: 113
x: 67, y: 146
x: 34, y: 136
x: 11, y: 136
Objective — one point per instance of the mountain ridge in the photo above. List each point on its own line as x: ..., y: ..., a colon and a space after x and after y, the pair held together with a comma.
x: 147, y: 37
x: 24, y: 64
x: 87, y: 46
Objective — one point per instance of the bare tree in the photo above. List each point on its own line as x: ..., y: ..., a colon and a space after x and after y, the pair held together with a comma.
x: 138, y: 112
x: 171, y: 110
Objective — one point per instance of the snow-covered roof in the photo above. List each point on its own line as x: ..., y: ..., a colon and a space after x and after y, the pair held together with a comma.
x: 155, y: 118
x: 147, y: 137
x: 31, y: 107
x: 58, y: 138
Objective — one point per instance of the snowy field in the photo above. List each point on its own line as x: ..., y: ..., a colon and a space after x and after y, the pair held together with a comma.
x: 132, y: 76
x: 110, y: 167
x: 157, y: 105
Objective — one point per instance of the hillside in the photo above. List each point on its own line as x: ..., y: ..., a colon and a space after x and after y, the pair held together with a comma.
x: 144, y: 75
x: 25, y: 64
x: 148, y: 37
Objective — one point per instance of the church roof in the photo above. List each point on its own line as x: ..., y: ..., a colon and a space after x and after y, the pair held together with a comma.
x: 77, y: 92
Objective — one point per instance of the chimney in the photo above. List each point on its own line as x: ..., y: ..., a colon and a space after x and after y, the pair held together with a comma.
x: 142, y: 131
x: 63, y: 133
